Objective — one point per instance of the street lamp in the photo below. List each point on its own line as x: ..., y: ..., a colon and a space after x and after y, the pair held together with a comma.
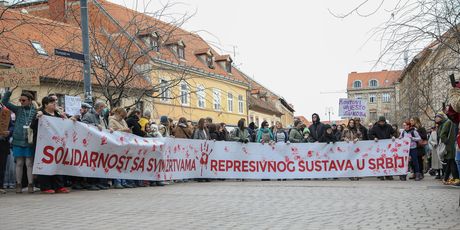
x: 329, y: 112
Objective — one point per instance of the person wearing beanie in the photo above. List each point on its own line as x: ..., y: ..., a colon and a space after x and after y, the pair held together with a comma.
x: 381, y: 131
x: 328, y: 135
x: 446, y: 135
x: 316, y: 129
x: 164, y: 127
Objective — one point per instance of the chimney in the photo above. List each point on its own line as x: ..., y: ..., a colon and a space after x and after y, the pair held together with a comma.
x: 57, y: 10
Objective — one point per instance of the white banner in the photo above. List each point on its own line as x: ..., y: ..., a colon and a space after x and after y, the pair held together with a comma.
x: 349, y: 108
x: 72, y: 105
x: 72, y: 148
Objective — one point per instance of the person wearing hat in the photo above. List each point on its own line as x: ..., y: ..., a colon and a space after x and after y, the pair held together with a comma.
x: 381, y: 131
x: 447, y: 136
x: 164, y: 126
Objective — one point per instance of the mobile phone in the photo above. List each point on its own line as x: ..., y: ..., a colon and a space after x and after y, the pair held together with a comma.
x: 452, y: 80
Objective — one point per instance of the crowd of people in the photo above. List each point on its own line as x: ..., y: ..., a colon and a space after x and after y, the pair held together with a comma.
x: 433, y: 150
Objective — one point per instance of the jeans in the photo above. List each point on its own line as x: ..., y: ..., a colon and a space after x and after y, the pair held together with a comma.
x: 414, y: 158
x: 121, y: 182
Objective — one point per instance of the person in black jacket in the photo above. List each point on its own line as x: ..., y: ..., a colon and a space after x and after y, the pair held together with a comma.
x: 361, y: 128
x: 417, y: 124
x: 380, y: 131
x: 328, y: 135
x: 316, y: 129
x: 133, y: 123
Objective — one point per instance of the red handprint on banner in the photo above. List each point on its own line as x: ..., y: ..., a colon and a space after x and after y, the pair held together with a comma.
x: 205, y: 152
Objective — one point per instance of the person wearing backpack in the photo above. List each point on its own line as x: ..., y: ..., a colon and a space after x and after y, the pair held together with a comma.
x: 447, y: 137
x: 280, y: 134
x: 296, y: 133
x: 264, y: 135
x: 410, y: 132
x: 241, y: 133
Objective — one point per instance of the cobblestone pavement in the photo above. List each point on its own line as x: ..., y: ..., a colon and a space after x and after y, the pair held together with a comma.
x: 343, y: 204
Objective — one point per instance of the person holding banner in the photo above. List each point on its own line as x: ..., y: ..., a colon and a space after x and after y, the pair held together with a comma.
x: 316, y: 129
x: 280, y: 134
x: 48, y: 184
x: 352, y: 133
x: 201, y: 132
x: 380, y: 131
x: 361, y: 128
x: 296, y: 133
x: 22, y: 148
x: 264, y: 135
x: 410, y: 132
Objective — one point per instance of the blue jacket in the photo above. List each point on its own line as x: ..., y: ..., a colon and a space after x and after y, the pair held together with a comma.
x: 24, y: 116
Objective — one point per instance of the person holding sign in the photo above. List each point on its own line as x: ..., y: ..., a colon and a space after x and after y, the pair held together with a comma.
x: 380, y: 131
x: 22, y: 148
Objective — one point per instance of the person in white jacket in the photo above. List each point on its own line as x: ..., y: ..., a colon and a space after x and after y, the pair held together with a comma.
x: 435, y: 162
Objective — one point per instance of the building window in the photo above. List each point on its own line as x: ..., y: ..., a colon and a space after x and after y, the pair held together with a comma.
x: 240, y: 104
x: 209, y: 61
x: 216, y: 97
x: 165, y: 93
x: 251, y: 119
x: 386, y: 97
x: 357, y: 84
x: 61, y: 100
x: 184, y: 94
x: 257, y: 122
x: 38, y: 47
x: 358, y: 96
x: 373, y: 83
x: 372, y: 98
x: 181, y: 52
x: 228, y: 67
x: 201, y: 94
x: 230, y: 102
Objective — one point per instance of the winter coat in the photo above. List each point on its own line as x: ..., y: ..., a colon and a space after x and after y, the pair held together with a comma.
x: 263, y: 131
x: 433, y: 143
x: 351, y: 135
x: 34, y: 125
x: 240, y: 135
x: 414, y: 135
x: 381, y: 132
x: 201, y: 134
x: 316, y: 130
x: 117, y: 124
x: 164, y: 130
x: 445, y: 128
x: 92, y: 118
x: 328, y: 138
x: 24, y: 116
x: 295, y: 136
x: 5, y: 140
x: 281, y: 136
x: 364, y: 133
x: 182, y: 131
x: 424, y: 136
x: 133, y: 124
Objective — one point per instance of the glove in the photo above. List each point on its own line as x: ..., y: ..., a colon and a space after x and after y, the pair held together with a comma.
x: 245, y: 141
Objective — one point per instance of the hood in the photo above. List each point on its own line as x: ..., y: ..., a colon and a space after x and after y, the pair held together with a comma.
x: 319, y: 119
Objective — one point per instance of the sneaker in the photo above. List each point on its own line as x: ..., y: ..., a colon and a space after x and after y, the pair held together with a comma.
x: 102, y: 187
x: 402, y: 178
x: 48, y: 191
x: 118, y: 186
x: 77, y: 187
x: 62, y: 190
x: 92, y: 188
x: 456, y: 182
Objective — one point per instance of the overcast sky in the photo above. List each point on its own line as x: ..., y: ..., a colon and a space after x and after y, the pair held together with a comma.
x: 295, y: 48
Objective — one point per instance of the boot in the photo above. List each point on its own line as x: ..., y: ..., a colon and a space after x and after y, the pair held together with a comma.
x: 18, y: 188
x: 403, y: 178
x: 418, y: 176
x: 30, y: 188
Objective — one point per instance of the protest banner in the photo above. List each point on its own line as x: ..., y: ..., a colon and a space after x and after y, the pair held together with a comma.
x: 72, y: 105
x: 76, y: 149
x: 349, y: 108
x: 19, y: 77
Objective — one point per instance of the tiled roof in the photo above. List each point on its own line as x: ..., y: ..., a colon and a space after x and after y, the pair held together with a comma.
x: 50, y: 35
x: 385, y: 78
x: 262, y: 106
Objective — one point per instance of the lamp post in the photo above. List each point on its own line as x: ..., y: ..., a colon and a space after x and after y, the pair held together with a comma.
x: 85, y: 41
x: 329, y: 112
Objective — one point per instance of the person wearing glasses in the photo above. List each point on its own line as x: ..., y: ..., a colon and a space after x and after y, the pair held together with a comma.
x: 22, y: 148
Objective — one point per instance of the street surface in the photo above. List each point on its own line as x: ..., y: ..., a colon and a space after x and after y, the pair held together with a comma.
x: 343, y: 204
